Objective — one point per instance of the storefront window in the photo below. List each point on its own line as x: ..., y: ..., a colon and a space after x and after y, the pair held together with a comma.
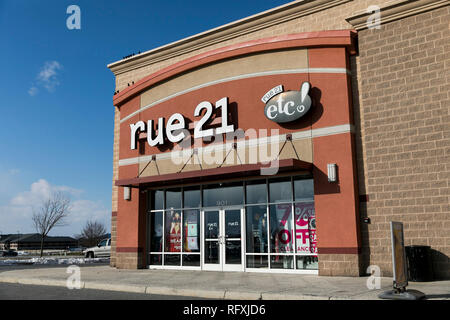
x: 192, y: 197
x: 281, y: 235
x: 303, y: 189
x: 191, y: 231
x: 257, y: 261
x: 173, y: 198
x: 157, y: 200
x: 307, y: 263
x: 172, y: 233
x: 223, y: 194
x: 191, y: 260
x: 156, y: 259
x: 156, y: 231
x: 280, y: 190
x: 172, y: 259
x: 280, y: 232
x: 281, y: 262
x: 256, y: 191
x: 256, y: 217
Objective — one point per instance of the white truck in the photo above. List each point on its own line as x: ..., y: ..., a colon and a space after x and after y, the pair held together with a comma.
x: 103, y: 249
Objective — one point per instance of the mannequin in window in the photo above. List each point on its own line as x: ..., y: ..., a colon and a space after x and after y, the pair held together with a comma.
x: 175, y: 233
x: 158, y: 237
x: 262, y: 232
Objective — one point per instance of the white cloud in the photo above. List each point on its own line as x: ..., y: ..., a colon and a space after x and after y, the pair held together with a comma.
x: 39, y: 191
x: 33, y: 91
x: 16, y: 214
x: 47, y: 77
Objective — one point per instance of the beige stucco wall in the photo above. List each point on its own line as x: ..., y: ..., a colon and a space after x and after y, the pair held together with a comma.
x: 262, y: 62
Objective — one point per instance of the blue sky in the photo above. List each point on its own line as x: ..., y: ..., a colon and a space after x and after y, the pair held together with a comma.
x: 56, y: 120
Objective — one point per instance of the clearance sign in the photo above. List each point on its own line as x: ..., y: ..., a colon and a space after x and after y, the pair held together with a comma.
x: 304, y: 233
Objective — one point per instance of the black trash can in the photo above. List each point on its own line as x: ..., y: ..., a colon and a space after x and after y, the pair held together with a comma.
x: 420, y: 267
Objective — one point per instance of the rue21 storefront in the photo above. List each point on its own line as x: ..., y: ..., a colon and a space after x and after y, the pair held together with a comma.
x: 236, y: 178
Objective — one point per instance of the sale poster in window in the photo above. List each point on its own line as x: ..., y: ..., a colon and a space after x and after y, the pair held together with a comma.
x: 281, y: 222
x: 173, y: 231
x: 191, y: 231
x: 192, y: 243
x: 305, y: 229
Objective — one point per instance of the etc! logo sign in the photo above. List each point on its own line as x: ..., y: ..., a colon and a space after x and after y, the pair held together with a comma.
x: 286, y: 106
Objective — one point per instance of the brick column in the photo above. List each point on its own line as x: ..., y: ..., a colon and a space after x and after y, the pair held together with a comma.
x: 114, y: 204
x: 131, y: 244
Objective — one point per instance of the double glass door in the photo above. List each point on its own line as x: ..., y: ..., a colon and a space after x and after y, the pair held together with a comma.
x: 222, y: 244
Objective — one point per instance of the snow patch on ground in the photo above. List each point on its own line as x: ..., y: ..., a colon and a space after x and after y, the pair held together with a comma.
x: 52, y: 261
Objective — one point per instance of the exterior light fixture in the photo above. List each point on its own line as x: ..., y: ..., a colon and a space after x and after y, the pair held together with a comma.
x: 127, y: 193
x: 332, y: 172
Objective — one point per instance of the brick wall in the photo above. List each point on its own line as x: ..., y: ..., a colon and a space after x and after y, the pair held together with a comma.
x: 402, y: 109
x: 339, y: 265
x: 129, y: 260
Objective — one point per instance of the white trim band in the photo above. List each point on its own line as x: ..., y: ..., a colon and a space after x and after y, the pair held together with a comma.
x: 307, y: 134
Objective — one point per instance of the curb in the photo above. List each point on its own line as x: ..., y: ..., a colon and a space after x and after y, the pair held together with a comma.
x: 284, y: 296
x: 37, y: 282
x: 209, y: 294
x: 239, y: 295
x: 113, y: 287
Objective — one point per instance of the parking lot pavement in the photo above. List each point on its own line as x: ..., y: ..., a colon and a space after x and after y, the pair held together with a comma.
x: 13, y: 267
x: 22, y: 262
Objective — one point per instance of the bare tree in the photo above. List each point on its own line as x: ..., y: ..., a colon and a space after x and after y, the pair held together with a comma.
x: 50, y: 214
x: 92, y: 232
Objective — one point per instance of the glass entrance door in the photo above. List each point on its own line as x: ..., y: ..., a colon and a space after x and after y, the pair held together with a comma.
x: 211, y: 245
x: 222, y: 245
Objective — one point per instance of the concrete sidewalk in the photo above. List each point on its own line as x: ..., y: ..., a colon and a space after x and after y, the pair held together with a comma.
x: 220, y: 285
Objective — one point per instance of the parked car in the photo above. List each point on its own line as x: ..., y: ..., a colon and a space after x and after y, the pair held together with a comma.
x: 8, y: 253
x: 103, y: 249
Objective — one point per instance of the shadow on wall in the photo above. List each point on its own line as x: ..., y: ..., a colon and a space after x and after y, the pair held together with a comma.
x: 321, y: 184
x: 364, y: 260
x: 312, y: 116
x: 441, y: 265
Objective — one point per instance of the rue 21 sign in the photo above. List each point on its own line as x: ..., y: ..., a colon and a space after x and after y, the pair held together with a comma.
x: 280, y: 107
x: 176, y: 123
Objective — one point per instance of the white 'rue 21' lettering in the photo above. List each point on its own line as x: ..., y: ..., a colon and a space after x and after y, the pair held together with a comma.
x: 176, y: 123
